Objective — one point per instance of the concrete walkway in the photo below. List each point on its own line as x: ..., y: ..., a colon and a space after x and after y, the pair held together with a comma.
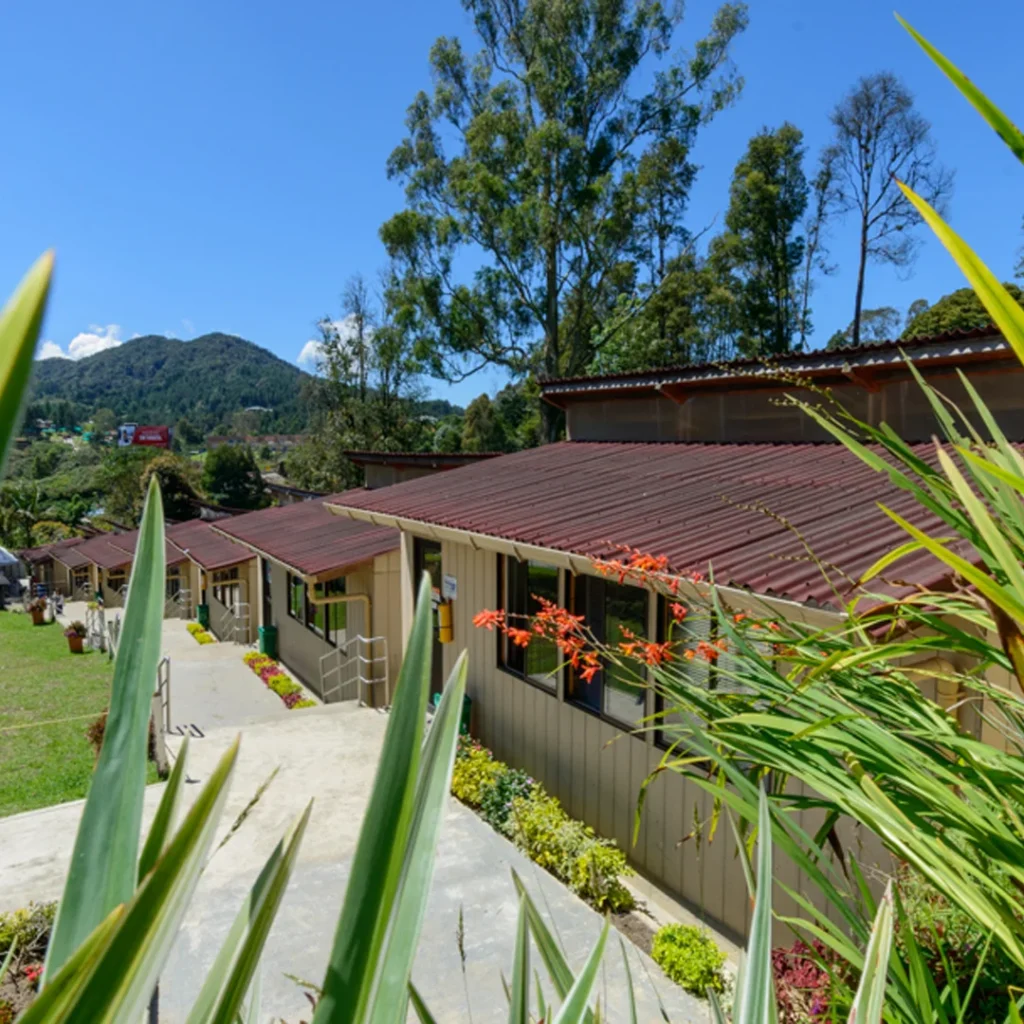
x: 330, y: 754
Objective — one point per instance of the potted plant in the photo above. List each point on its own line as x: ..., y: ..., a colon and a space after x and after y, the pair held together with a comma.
x: 37, y: 608
x: 76, y: 635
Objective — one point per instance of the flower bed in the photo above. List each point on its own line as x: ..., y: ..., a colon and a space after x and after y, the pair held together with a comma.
x: 200, y: 635
x: 277, y: 680
x: 514, y: 804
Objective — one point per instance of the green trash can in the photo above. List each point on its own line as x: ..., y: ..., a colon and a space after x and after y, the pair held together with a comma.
x: 203, y: 615
x: 268, y: 640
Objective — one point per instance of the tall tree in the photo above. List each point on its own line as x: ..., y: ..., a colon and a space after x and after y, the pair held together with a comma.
x: 959, y: 311
x: 875, y: 325
x: 549, y: 133
x: 880, y: 138
x: 816, y: 253
x: 365, y: 392
x: 232, y: 477
x: 914, y: 310
x: 761, y: 246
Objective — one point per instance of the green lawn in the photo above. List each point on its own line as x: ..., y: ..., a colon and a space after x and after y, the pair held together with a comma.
x: 40, y: 682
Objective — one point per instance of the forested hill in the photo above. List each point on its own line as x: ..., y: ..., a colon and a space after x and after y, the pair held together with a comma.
x: 155, y: 379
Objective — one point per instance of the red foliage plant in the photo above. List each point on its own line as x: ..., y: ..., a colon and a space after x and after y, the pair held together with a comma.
x: 802, y: 982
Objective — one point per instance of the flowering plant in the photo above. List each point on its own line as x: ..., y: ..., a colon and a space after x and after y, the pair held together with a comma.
x: 76, y: 629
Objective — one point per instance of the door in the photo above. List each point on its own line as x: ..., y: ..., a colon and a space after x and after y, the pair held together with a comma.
x: 268, y: 604
x: 427, y: 558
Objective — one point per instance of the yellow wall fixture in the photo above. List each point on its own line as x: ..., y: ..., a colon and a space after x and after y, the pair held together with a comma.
x: 445, y: 631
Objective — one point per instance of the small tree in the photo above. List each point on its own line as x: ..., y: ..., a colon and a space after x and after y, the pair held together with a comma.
x: 881, y: 138
x: 231, y: 477
x: 177, y: 485
x: 961, y: 310
x: 761, y: 249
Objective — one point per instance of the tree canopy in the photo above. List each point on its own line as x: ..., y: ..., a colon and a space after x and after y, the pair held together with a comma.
x: 959, y: 311
x: 232, y: 478
x: 559, y: 171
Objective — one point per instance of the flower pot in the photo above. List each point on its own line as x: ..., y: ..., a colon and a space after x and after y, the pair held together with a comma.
x: 38, y: 616
x: 75, y: 644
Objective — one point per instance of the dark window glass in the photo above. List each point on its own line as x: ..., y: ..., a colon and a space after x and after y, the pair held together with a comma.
x: 296, y: 597
x: 610, y: 608
x: 522, y: 583
x: 329, y: 620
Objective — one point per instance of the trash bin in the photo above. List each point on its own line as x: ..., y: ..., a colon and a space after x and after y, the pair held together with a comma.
x: 203, y: 615
x: 268, y: 641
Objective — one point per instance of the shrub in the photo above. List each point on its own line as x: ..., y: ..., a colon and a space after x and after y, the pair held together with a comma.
x: 803, y: 983
x: 304, y: 702
x: 194, y: 627
x: 29, y: 927
x: 496, y: 800
x: 689, y: 956
x: 595, y: 870
x: 537, y: 824
x: 283, y: 686
x: 205, y: 638
x: 76, y: 629
x: 475, y: 773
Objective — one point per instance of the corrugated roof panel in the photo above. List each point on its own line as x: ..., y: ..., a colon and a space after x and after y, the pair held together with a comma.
x: 756, y: 513
x: 205, y: 546
x: 309, y: 538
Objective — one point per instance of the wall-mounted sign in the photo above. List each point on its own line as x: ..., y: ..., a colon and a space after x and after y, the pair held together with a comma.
x: 449, y: 587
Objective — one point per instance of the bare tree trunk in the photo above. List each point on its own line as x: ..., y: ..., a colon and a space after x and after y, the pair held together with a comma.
x: 859, y: 302
x: 550, y: 419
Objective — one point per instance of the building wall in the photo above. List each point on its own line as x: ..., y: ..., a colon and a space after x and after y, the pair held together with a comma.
x: 385, y: 476
x: 221, y: 623
x: 597, y: 770
x: 757, y: 415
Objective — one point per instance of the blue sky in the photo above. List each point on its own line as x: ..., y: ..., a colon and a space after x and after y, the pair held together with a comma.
x: 219, y: 166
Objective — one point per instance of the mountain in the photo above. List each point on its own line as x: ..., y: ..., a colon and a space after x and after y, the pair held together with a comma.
x: 155, y: 379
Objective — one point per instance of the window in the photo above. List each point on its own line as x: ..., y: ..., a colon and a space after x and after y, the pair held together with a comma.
x: 698, y: 672
x: 328, y: 620
x: 226, y: 587
x: 117, y: 579
x: 520, y: 584
x: 296, y: 597
x: 610, y: 608
x: 172, y: 586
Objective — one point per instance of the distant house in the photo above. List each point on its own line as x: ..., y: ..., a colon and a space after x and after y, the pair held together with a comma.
x: 47, y: 572
x: 704, y: 465
x: 328, y: 586
x: 382, y: 469
x: 220, y: 574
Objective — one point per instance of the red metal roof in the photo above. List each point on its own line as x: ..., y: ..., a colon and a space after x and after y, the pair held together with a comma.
x: 71, y: 557
x: 44, y: 551
x: 205, y: 546
x: 112, y: 550
x: 950, y: 346
x: 696, y: 503
x: 310, y: 539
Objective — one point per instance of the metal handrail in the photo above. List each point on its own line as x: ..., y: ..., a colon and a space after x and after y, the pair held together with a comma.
x: 358, y: 659
x: 163, y: 690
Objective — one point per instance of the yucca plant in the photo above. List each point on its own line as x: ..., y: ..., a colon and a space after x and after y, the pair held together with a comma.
x: 125, y: 896
x: 841, y: 710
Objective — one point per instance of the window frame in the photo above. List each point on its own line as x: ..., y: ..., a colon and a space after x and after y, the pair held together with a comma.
x: 516, y: 666
x: 592, y: 586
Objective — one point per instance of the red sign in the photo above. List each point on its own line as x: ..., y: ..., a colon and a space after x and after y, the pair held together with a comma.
x: 158, y: 437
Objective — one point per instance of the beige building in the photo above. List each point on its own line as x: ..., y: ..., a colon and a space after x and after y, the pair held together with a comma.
x: 331, y: 589
x: 701, y: 465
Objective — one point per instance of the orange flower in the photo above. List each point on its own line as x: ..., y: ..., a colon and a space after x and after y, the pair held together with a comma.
x: 489, y: 619
x: 689, y: 655
x: 739, y: 616
x: 709, y: 652
x: 774, y: 627
x: 588, y: 673
x: 520, y: 637
x: 678, y: 611
x: 655, y: 653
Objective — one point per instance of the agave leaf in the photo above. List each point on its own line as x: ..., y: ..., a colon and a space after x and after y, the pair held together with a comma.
x: 122, y: 982
x: 755, y: 988
x: 432, y: 789
x: 574, y: 1008
x: 52, y: 1004
x: 629, y: 983
x: 555, y: 963
x: 870, y: 997
x: 163, y: 823
x: 7, y: 960
x: 998, y: 121
x: 1008, y: 316
x: 380, y: 853
x: 259, y: 912
x: 519, y: 993
x: 105, y: 861
x: 254, y: 1002
x: 422, y: 1011
x: 20, y: 322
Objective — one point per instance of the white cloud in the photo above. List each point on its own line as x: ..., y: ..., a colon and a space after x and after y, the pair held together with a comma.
x: 88, y: 343
x: 309, y: 357
x: 312, y: 351
x: 50, y: 350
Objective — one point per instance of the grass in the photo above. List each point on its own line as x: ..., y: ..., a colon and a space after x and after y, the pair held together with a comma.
x: 42, y: 682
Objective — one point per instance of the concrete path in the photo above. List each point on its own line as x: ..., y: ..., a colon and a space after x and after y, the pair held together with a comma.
x: 330, y: 754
